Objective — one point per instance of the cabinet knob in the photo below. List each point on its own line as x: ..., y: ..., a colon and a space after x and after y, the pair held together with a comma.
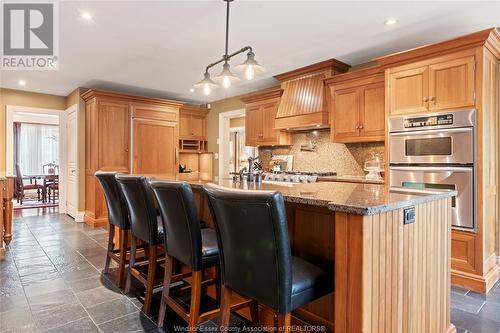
x: 360, y: 126
x: 126, y: 150
x: 426, y: 99
x: 432, y: 99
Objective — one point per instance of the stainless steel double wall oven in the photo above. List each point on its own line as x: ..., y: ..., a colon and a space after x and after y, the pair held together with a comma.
x: 436, y: 151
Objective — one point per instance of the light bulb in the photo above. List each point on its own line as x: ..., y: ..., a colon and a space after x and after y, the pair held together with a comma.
x: 206, y: 89
x: 226, y: 82
x: 250, y: 72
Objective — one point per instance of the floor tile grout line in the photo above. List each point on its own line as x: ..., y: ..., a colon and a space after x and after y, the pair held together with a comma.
x: 76, y: 297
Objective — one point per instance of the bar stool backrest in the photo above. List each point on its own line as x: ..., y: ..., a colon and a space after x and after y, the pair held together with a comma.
x: 253, y: 241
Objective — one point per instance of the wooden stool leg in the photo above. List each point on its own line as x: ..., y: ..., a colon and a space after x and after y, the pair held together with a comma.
x: 151, y: 278
x: 123, y: 257
x: 254, y: 313
x: 194, y: 309
x: 283, y: 322
x: 131, y: 263
x: 225, y: 309
x: 166, y: 289
x: 217, y: 284
x: 111, y: 246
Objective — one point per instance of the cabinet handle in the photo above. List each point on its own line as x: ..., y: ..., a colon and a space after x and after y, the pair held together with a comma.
x: 426, y: 99
x: 432, y: 99
x: 126, y: 150
x: 360, y: 126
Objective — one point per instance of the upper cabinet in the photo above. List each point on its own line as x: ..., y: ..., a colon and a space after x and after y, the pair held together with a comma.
x: 432, y: 85
x: 193, y: 122
x: 261, y: 109
x: 357, y: 106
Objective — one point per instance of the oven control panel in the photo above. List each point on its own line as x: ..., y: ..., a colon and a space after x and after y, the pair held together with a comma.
x: 443, y: 119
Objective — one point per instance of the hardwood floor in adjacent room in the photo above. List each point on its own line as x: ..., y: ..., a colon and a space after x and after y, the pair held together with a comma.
x: 51, y: 281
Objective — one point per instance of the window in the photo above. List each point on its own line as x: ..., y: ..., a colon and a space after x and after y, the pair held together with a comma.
x: 35, y: 145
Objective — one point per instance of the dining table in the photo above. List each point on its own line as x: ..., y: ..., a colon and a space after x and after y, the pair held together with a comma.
x: 47, y: 180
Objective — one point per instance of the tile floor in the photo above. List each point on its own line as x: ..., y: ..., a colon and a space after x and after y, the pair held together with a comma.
x: 51, y: 281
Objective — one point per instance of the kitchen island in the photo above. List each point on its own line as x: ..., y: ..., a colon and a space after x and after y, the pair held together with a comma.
x: 381, y: 246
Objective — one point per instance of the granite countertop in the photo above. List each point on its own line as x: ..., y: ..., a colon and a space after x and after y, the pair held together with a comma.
x: 350, y: 179
x: 354, y: 198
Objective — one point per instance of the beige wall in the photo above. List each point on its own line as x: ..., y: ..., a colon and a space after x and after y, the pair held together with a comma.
x: 217, y: 107
x: 237, y: 122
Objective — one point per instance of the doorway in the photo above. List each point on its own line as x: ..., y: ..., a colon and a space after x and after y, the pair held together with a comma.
x: 233, y: 153
x: 37, y: 155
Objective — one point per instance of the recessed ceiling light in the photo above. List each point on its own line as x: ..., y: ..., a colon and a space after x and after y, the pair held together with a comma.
x: 391, y: 21
x: 21, y: 83
x: 191, y: 90
x: 86, y: 16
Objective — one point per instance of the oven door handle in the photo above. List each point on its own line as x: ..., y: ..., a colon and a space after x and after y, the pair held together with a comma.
x: 430, y: 169
x: 433, y: 131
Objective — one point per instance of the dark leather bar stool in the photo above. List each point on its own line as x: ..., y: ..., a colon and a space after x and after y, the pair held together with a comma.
x: 118, y: 218
x: 256, y: 260
x: 186, y: 242
x: 146, y: 226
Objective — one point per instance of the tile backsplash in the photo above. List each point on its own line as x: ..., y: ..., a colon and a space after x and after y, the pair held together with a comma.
x: 327, y: 156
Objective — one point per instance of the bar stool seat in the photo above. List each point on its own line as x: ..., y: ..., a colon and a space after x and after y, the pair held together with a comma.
x: 309, y: 282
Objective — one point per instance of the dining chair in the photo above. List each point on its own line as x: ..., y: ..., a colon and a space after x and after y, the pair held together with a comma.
x: 188, y: 243
x: 21, y: 187
x: 51, y: 185
x: 256, y: 260
x: 145, y: 226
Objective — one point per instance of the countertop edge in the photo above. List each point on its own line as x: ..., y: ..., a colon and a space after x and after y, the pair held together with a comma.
x: 390, y: 207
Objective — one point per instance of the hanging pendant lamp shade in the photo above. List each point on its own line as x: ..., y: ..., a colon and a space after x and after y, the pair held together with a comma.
x: 250, y: 67
x: 207, y: 85
x: 226, y: 78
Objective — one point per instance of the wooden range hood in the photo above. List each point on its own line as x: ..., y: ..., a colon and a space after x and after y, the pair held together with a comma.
x: 303, y: 104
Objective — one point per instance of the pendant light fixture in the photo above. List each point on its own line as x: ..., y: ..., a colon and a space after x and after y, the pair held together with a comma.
x: 250, y: 67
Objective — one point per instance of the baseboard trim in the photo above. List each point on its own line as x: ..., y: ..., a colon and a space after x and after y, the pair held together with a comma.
x: 475, y: 282
x: 80, y: 216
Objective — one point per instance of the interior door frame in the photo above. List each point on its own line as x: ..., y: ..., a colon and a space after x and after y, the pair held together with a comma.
x: 223, y: 139
x: 63, y: 160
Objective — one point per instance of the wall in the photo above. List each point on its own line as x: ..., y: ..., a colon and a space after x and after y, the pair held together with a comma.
x: 327, y: 157
x: 237, y: 122
x: 23, y: 98
x: 224, y: 105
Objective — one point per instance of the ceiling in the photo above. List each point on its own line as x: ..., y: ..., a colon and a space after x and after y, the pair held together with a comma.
x: 160, y: 48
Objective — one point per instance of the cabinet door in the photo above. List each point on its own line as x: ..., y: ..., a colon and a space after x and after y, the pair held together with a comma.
x: 155, y: 147
x: 197, y: 127
x: 253, y: 125
x: 408, y: 90
x: 451, y: 84
x: 184, y: 125
x: 372, y: 112
x: 114, y: 125
x: 269, y: 135
x: 345, y: 120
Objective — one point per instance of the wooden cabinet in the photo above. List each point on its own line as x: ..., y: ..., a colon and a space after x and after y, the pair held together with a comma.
x: 261, y: 109
x: 358, y: 106
x: 434, y: 85
x: 459, y: 73
x: 113, y: 139
x: 110, y: 145
x: 192, y: 122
